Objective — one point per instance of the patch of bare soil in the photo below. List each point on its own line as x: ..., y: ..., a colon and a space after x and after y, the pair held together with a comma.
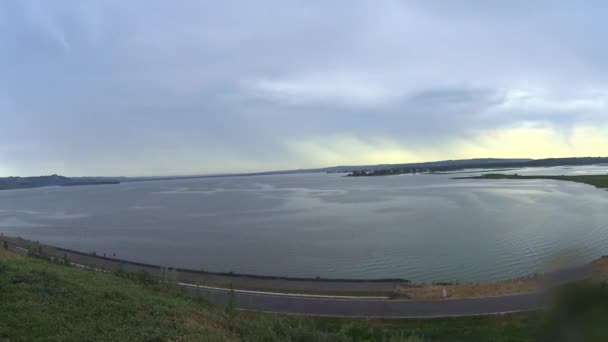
x: 451, y: 291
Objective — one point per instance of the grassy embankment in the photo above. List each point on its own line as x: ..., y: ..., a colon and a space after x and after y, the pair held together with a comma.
x: 40, y: 300
x: 43, y: 300
x: 404, y: 290
x: 599, y: 181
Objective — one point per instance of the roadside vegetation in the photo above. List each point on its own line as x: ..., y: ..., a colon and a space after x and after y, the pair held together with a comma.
x: 600, y: 181
x: 44, y: 300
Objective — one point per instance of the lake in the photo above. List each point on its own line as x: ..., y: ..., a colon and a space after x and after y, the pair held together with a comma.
x: 423, y: 228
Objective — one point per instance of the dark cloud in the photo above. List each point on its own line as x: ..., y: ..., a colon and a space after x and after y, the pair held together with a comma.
x: 228, y: 86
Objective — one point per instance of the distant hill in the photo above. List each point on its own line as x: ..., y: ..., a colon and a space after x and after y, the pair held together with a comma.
x: 481, y: 162
x: 452, y: 165
x: 52, y: 180
x: 358, y: 170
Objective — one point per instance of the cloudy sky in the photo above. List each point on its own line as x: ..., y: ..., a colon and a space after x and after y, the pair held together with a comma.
x: 116, y: 87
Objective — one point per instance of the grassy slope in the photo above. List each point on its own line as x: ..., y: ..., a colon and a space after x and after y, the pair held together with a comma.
x: 42, y: 300
x: 600, y: 181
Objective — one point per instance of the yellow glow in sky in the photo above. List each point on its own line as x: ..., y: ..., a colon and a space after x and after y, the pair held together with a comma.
x: 520, y: 142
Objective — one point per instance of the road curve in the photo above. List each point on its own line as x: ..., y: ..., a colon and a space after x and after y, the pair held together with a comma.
x: 376, y: 307
x: 373, y: 308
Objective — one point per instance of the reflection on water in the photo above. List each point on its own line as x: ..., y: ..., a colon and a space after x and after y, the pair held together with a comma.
x: 422, y: 228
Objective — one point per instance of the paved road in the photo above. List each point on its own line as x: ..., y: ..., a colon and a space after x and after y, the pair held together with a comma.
x: 343, y: 306
x: 377, y: 308
x: 392, y: 308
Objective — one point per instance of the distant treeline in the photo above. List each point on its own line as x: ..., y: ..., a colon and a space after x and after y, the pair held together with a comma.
x: 478, y: 164
x: 53, y: 180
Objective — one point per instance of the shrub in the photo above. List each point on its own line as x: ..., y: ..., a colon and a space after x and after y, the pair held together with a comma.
x: 143, y: 277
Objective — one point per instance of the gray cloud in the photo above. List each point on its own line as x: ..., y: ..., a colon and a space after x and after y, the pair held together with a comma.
x: 148, y: 87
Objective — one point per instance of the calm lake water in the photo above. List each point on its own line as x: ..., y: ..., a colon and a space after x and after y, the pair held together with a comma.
x: 419, y: 227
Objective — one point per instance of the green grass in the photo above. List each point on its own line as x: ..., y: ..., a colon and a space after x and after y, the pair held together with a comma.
x: 44, y: 301
x: 600, y: 181
x: 40, y: 300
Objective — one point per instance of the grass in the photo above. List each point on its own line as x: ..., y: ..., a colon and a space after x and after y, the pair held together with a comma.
x: 45, y: 301
x: 41, y: 300
x: 600, y: 181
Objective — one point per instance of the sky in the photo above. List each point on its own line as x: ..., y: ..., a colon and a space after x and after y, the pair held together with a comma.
x: 140, y: 88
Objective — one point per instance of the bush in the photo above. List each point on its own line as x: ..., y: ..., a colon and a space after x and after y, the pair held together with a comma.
x: 143, y: 277
x: 120, y: 271
x: 140, y: 277
x: 579, y: 314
